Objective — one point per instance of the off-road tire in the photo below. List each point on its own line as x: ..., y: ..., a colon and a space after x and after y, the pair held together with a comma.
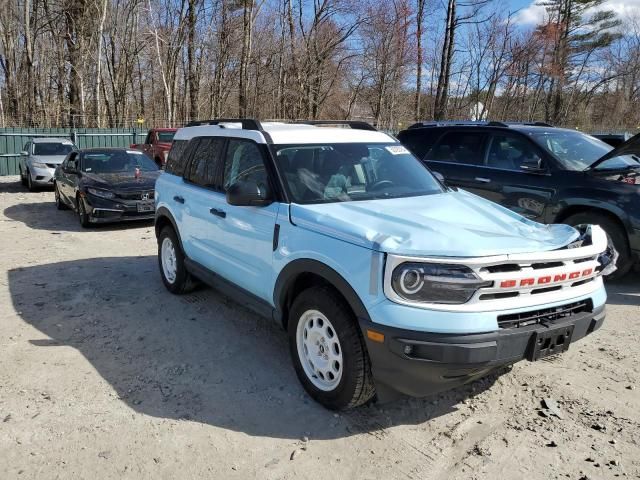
x: 356, y: 386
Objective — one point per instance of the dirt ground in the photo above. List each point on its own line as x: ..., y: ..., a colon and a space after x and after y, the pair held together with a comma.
x: 103, y: 374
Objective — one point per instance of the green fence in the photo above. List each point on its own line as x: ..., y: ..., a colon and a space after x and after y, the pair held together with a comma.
x: 12, y: 141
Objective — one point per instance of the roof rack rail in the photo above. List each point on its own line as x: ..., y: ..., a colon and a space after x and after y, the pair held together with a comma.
x: 247, y: 123
x: 491, y: 123
x: 355, y: 124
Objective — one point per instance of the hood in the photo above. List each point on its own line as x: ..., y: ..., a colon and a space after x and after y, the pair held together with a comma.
x: 123, y: 180
x: 57, y: 159
x: 630, y: 147
x: 450, y: 224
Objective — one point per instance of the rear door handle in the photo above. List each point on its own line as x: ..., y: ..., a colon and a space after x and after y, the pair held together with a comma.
x: 218, y: 213
x: 178, y: 199
x: 483, y: 180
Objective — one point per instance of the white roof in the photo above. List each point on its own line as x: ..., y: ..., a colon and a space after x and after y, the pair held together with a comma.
x: 287, y: 133
x: 62, y: 140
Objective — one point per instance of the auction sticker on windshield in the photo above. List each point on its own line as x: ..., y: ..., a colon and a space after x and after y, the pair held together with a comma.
x: 396, y: 149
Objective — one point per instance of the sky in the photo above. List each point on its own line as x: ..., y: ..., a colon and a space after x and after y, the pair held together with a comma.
x: 531, y: 14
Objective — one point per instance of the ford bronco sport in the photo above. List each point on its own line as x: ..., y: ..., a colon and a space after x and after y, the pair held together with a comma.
x: 386, y: 281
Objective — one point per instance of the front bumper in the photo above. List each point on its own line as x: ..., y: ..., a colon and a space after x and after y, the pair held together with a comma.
x: 102, y: 210
x: 42, y: 176
x: 421, y: 364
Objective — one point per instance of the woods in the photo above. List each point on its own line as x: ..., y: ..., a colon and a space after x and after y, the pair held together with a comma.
x: 106, y: 63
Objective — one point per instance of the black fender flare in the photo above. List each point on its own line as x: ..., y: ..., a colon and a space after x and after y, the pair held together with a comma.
x: 290, y: 273
x: 164, y: 213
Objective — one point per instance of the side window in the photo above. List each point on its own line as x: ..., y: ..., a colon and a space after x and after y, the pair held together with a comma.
x: 205, y: 162
x: 177, y: 158
x: 511, y: 152
x: 244, y: 162
x: 419, y: 140
x: 460, y: 147
x: 72, y: 161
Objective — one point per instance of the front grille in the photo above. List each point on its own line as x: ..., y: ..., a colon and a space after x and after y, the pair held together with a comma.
x: 51, y: 165
x: 135, y: 195
x: 545, y: 315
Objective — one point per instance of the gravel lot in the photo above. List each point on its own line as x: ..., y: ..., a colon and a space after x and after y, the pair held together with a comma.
x: 103, y: 374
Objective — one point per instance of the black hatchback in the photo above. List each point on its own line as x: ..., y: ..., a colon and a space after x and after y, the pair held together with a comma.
x: 548, y: 174
x: 107, y: 185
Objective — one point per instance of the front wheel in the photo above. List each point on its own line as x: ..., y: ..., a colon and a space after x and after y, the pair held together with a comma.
x: 60, y: 205
x: 23, y: 179
x: 83, y: 216
x: 616, y: 235
x: 328, y: 351
x: 30, y: 185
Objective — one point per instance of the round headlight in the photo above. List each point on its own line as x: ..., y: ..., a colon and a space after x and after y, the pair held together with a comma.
x: 411, y: 280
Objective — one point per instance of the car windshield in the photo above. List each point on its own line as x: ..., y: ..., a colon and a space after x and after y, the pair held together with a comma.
x: 575, y: 150
x: 52, y: 148
x: 343, y: 172
x: 116, y: 161
x: 166, y: 137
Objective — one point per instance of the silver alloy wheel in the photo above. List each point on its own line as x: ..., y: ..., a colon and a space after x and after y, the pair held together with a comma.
x: 319, y: 350
x: 168, y: 258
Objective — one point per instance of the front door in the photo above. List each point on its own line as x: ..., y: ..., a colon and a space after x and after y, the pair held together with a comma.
x: 519, y: 178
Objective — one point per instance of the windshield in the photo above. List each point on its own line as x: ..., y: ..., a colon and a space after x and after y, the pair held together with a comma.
x: 575, y: 150
x: 166, y: 137
x: 116, y: 161
x: 52, y: 148
x: 343, y: 172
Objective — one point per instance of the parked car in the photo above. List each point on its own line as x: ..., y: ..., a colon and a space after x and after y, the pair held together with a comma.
x: 385, y: 280
x: 40, y: 158
x: 613, y: 139
x: 551, y: 175
x: 107, y: 185
x: 157, y: 144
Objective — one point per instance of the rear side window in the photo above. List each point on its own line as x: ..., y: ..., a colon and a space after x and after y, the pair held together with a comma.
x: 460, y: 147
x: 419, y: 140
x: 205, y: 162
x: 510, y: 153
x: 177, y: 159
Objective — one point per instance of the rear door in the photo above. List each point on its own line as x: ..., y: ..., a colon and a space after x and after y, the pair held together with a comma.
x: 459, y: 155
x: 199, y: 194
x: 519, y: 177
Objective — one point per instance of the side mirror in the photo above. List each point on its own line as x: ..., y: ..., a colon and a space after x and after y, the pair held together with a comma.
x: 70, y: 169
x: 440, y: 177
x: 247, y: 194
x: 533, y: 166
x: 24, y: 153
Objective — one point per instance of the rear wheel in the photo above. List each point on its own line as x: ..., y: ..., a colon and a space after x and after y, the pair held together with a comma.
x: 328, y: 351
x: 171, y: 261
x: 616, y: 234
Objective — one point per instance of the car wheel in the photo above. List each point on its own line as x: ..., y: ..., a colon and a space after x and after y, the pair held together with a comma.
x: 30, y: 185
x: 328, y: 351
x: 83, y: 216
x: 171, y: 261
x: 60, y: 205
x: 616, y: 234
x: 23, y: 179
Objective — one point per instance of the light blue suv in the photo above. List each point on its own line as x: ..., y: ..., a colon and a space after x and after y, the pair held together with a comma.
x: 386, y: 280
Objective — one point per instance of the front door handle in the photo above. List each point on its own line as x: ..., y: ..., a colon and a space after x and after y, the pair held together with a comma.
x: 178, y: 199
x: 483, y: 180
x: 218, y: 213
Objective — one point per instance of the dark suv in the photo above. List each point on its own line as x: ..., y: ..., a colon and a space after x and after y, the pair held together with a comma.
x: 551, y: 175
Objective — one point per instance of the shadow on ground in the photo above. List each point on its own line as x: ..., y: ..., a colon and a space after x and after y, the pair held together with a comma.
x: 200, y: 357
x: 625, y: 291
x: 45, y: 216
